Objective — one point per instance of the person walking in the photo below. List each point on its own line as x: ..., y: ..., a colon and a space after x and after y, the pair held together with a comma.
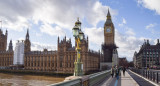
x: 117, y: 72
x: 112, y: 72
x: 124, y: 69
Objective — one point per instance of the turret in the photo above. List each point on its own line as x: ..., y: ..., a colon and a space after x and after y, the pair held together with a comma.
x: 65, y: 38
x: 27, y: 35
x: 145, y: 42
x: 6, y: 33
x: 148, y: 42
x: 58, y: 39
x: 158, y: 42
x: 70, y: 40
x: 1, y: 32
x: 10, y: 47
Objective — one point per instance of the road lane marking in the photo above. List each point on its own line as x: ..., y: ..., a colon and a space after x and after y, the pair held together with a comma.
x: 116, y: 83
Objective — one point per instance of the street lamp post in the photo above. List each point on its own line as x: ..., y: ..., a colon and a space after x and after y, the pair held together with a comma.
x: 79, y: 35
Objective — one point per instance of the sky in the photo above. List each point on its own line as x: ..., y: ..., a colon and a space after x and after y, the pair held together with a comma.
x: 134, y: 21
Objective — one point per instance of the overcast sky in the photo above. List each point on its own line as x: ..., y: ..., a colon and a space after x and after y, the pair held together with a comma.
x: 134, y: 20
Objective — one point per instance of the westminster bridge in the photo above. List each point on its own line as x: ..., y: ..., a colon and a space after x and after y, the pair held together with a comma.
x: 132, y: 77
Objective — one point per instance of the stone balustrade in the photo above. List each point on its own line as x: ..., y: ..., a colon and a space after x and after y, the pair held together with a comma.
x: 88, y: 80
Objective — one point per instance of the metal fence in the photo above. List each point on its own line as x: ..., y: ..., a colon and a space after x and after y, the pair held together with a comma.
x: 88, y: 80
x: 153, y: 75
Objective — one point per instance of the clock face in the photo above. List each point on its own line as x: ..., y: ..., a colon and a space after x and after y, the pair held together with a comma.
x: 108, y: 29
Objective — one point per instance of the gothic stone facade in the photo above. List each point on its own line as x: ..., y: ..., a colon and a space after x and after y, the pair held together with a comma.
x: 6, y: 57
x: 61, y: 60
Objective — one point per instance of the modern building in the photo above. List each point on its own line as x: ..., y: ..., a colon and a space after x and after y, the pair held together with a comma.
x: 6, y: 56
x: 109, y: 45
x: 148, y: 55
x: 19, y: 53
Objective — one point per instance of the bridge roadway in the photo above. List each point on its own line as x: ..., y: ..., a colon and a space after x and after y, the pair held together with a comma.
x: 130, y: 79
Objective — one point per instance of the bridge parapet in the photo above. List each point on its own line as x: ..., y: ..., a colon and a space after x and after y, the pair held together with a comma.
x: 151, y: 75
x: 88, y: 80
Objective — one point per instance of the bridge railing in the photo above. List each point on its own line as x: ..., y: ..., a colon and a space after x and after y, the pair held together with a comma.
x: 73, y: 82
x: 88, y: 80
x: 152, y: 75
x: 97, y: 78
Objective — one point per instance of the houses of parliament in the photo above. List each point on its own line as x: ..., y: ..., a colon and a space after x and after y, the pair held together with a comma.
x: 62, y: 59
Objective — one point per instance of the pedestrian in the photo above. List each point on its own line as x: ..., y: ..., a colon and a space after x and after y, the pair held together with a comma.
x: 112, y: 72
x: 124, y: 69
x: 148, y: 68
x: 117, y: 72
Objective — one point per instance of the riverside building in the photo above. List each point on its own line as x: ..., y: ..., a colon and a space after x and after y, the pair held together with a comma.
x: 61, y: 60
x: 148, y: 55
x: 6, y: 56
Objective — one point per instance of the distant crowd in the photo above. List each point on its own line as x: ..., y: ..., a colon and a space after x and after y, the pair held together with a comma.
x: 115, y: 71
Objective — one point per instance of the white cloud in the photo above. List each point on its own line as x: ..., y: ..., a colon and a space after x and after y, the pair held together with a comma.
x: 96, y: 35
x: 123, y: 22
x: 150, y: 4
x: 152, y: 29
x: 53, y: 31
x: 127, y: 44
x: 55, y: 15
x: 129, y: 31
x: 65, y: 14
x: 41, y: 46
x: 18, y: 25
x: 38, y: 34
x: 150, y: 26
x: 36, y: 45
x: 19, y: 14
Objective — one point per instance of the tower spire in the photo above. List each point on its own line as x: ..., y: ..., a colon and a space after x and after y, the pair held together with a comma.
x: 6, y: 32
x: 10, y: 47
x: 58, y: 39
x: 108, y: 15
x: 27, y: 43
x: 27, y: 35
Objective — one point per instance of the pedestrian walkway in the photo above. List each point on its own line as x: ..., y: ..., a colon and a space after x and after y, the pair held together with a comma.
x: 111, y: 82
x: 126, y: 80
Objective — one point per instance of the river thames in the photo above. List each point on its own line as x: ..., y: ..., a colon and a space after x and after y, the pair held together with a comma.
x: 27, y: 80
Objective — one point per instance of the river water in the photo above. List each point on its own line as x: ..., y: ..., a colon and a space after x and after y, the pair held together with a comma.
x: 27, y: 80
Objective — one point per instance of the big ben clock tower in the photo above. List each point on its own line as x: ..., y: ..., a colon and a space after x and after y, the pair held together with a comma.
x: 109, y: 31
x: 109, y: 44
